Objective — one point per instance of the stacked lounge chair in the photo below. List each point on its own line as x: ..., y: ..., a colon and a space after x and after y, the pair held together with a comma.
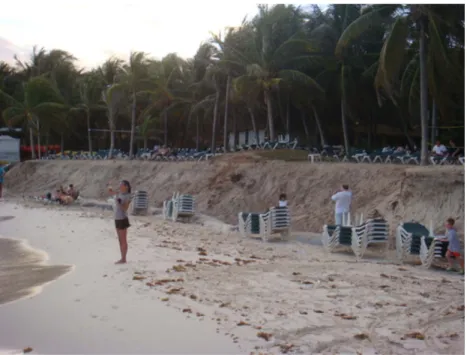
x: 265, y: 225
x: 179, y: 206
x: 373, y: 231
x: 334, y: 236
x: 248, y: 224
x: 409, y: 238
x: 275, y: 221
x: 140, y: 203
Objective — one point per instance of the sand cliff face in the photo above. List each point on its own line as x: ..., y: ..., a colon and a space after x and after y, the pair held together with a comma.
x: 228, y: 185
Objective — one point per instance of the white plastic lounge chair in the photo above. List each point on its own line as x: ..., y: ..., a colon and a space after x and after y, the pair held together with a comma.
x: 275, y: 221
x: 179, y: 206
x: 140, y: 203
x: 408, y: 238
x: 373, y: 231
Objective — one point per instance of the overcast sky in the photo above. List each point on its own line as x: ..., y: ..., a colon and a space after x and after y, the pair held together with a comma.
x: 94, y: 30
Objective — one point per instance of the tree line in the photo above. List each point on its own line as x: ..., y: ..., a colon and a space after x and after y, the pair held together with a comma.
x: 350, y: 74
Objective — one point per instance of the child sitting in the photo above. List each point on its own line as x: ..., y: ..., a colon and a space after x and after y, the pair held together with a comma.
x: 454, y: 247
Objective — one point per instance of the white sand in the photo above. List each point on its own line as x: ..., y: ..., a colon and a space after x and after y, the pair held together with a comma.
x: 291, y: 291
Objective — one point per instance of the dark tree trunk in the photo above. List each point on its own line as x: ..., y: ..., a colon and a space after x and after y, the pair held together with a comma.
x: 423, y: 92
x: 226, y: 113
x: 214, y: 121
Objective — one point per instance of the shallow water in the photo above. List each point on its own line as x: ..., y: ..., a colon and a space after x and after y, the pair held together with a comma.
x: 22, y: 270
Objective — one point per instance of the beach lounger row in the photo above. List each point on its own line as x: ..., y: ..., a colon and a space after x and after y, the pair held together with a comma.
x: 412, y: 239
x: 265, y: 225
x: 378, y: 156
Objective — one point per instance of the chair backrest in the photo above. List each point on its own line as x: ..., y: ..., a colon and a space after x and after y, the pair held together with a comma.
x: 186, y: 203
x: 377, y: 230
x: 140, y: 199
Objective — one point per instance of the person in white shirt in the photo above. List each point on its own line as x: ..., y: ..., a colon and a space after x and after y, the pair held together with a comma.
x: 342, y: 198
x: 439, y: 149
x: 282, y: 200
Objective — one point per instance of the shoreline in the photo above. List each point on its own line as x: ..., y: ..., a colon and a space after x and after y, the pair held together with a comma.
x: 93, y: 302
x: 31, y: 287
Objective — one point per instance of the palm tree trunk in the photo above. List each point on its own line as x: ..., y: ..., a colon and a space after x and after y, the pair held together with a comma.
x: 31, y: 140
x: 305, y: 126
x: 62, y: 143
x: 433, y: 124
x: 287, y: 116
x: 166, y: 130
x: 253, y: 124
x: 344, y: 125
x: 133, y: 124
x: 88, y: 122
x: 112, y: 135
x: 197, y: 132
x: 267, y: 97
x: 214, y: 122
x: 320, y: 128
x: 145, y: 142
x: 226, y: 113
x: 234, y: 129
x: 39, y: 155
x: 423, y: 93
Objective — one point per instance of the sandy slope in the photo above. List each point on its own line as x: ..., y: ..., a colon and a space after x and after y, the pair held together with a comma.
x: 302, y: 300
x: 239, y: 182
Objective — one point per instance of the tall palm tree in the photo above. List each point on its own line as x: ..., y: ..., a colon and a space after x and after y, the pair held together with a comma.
x: 135, y: 77
x: 273, y: 57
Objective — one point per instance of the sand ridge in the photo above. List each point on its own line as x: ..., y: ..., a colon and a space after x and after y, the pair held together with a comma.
x: 243, y: 182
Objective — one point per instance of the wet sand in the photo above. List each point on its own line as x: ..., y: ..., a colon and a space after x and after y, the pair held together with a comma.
x: 22, y: 270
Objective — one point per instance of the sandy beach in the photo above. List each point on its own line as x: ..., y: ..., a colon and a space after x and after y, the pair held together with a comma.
x: 202, y: 288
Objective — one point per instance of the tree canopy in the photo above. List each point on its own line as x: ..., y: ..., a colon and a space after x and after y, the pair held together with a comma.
x: 356, y: 75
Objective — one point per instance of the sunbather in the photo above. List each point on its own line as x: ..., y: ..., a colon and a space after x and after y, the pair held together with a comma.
x: 454, y: 247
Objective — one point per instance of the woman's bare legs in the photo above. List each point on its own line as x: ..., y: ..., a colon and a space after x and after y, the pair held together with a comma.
x: 122, y: 233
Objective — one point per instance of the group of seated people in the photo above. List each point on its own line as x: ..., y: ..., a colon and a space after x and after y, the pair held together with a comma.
x: 440, y: 150
x: 62, y: 196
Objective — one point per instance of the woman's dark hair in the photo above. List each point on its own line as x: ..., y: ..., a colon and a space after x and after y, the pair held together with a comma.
x: 127, y: 184
x: 282, y: 196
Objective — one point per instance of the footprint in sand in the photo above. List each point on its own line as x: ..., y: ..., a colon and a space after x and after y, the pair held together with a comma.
x: 6, y: 218
x: 93, y: 316
x: 114, y: 307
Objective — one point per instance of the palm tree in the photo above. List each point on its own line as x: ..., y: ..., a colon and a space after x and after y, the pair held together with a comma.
x: 430, y: 21
x: 90, y: 93
x: 273, y: 57
x: 135, y: 75
x: 113, y: 95
x: 41, y: 101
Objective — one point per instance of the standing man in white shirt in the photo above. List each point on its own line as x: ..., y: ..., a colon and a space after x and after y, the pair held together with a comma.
x: 342, y: 198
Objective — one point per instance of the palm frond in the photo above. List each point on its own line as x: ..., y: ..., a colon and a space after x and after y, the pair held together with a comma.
x: 391, y: 58
x: 361, y: 25
x: 295, y: 76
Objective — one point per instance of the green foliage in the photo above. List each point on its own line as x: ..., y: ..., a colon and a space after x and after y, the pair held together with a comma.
x: 339, y: 71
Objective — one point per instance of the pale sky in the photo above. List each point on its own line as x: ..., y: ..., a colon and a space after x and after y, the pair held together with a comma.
x: 93, y: 30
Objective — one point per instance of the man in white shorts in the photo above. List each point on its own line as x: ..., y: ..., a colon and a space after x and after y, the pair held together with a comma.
x: 342, y: 198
